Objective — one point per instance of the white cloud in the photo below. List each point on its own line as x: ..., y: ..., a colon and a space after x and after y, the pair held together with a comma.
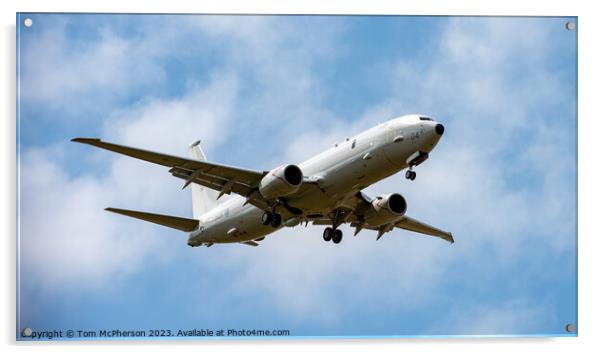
x: 168, y: 125
x: 304, y: 278
x: 499, y: 318
x: 79, y: 76
x: 283, y: 91
x: 67, y: 238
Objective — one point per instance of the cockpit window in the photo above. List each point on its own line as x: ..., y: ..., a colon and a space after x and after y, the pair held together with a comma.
x: 425, y: 118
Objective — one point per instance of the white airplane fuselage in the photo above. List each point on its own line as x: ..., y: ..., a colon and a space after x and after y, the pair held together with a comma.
x: 338, y: 172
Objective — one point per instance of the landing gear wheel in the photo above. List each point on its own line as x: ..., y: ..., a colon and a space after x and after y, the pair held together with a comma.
x: 338, y: 236
x: 276, y: 220
x: 267, y: 218
x: 327, y: 235
x: 411, y: 175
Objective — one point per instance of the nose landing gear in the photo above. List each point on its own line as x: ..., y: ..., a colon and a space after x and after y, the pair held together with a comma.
x: 414, y: 160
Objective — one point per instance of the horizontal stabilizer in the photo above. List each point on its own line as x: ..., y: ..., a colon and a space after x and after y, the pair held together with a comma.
x: 175, y: 222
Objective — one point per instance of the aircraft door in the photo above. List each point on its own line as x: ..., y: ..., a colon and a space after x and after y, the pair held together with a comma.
x: 363, y: 154
x: 395, y: 138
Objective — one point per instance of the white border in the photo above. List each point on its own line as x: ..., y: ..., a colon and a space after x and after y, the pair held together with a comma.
x: 589, y: 172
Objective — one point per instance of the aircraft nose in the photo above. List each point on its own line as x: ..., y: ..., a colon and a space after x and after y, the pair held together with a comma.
x: 439, y: 129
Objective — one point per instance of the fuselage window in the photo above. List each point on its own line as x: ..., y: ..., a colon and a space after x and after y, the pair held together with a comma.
x: 353, y: 144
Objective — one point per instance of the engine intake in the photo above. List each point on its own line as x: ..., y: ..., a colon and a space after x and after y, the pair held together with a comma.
x: 281, y: 181
x: 293, y: 175
x: 386, y: 209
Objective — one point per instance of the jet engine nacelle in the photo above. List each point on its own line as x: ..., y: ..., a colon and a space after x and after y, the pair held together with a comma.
x: 386, y: 209
x: 281, y: 181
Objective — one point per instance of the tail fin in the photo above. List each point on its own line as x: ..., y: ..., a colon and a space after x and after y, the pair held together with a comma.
x: 203, y: 198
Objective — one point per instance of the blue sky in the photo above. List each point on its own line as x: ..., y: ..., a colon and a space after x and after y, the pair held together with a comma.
x: 263, y: 90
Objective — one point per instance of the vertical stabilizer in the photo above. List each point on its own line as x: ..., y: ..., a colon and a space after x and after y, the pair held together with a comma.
x: 203, y: 198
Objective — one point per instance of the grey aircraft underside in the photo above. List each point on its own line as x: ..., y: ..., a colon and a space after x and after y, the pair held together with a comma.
x: 324, y: 190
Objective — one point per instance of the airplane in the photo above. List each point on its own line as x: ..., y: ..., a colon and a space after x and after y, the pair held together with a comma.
x: 324, y: 190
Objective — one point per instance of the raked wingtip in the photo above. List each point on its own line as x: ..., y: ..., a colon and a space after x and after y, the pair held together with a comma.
x: 85, y: 140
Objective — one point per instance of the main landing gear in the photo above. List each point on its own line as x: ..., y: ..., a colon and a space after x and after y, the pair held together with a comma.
x: 411, y: 175
x: 335, y: 235
x: 269, y: 218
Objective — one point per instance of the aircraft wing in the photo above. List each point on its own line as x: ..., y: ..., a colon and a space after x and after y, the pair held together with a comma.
x: 352, y: 210
x: 219, y: 177
x: 410, y: 224
x: 406, y: 223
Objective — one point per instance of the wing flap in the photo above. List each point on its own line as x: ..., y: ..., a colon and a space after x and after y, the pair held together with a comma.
x: 213, y: 181
x: 175, y: 222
